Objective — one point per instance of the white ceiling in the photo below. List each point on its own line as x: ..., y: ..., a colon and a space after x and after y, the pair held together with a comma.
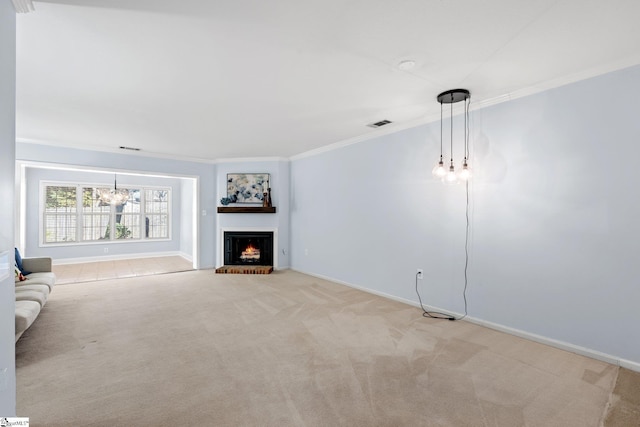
x: 252, y: 78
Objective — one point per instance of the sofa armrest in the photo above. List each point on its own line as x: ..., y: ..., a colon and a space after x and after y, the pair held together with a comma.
x: 37, y: 265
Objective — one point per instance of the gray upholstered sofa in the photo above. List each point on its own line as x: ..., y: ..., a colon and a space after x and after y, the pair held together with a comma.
x: 32, y: 294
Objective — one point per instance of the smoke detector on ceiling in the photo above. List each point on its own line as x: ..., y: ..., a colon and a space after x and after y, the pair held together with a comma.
x: 406, y: 65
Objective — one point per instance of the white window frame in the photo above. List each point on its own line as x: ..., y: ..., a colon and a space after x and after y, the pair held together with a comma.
x: 112, y: 214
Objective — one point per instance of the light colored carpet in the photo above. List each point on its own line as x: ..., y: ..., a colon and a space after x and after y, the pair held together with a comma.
x: 286, y: 349
x: 625, y: 401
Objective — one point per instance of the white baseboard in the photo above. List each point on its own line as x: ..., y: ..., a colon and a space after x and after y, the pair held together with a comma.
x: 583, y: 351
x: 628, y: 364
x: 64, y: 261
x: 361, y: 288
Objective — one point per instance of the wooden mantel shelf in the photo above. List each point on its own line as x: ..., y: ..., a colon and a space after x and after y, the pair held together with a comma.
x: 246, y: 209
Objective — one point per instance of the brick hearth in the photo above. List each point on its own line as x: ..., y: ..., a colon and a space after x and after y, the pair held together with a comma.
x: 242, y: 269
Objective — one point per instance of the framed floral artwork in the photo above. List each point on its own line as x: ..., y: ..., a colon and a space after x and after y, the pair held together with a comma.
x: 247, y: 187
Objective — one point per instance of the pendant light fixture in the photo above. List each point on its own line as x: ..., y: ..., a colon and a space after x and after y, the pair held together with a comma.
x: 113, y: 196
x: 449, y: 175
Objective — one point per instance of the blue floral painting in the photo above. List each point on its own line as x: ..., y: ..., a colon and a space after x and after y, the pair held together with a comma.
x: 247, y: 187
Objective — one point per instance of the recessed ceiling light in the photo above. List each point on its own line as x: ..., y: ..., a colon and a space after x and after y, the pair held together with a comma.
x: 406, y: 65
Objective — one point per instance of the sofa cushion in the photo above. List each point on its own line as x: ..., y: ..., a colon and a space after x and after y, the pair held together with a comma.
x: 38, y: 293
x: 34, y: 287
x: 38, y: 264
x: 27, y: 295
x: 26, y: 313
x: 48, y: 279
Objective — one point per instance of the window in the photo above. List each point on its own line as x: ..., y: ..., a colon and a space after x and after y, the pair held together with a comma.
x: 60, y: 214
x: 75, y: 214
x: 156, y: 207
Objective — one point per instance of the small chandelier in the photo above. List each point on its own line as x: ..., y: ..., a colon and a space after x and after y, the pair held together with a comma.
x: 448, y: 174
x: 113, y: 196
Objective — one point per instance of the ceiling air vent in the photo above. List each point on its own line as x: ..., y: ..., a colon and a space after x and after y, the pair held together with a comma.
x: 122, y: 147
x: 379, y: 124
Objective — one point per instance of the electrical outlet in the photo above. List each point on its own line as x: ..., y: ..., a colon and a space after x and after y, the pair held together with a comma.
x: 420, y: 274
x: 106, y: 250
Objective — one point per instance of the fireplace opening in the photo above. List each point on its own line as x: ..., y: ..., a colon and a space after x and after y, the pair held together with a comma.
x: 248, y: 248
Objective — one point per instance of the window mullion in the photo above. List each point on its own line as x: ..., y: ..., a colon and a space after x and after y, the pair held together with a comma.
x: 79, y: 213
x: 112, y: 222
x: 143, y: 223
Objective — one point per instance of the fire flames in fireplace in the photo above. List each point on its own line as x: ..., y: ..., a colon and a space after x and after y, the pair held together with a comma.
x: 250, y: 253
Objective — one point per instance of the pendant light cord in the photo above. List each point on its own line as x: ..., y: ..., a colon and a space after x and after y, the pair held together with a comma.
x: 467, y: 103
x: 466, y: 210
x: 431, y: 314
x: 445, y: 316
x: 466, y: 252
x: 451, y: 134
x: 441, y: 131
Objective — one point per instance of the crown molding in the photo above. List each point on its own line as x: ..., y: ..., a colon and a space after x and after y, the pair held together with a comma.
x: 476, y: 105
x: 386, y: 130
x: 252, y: 159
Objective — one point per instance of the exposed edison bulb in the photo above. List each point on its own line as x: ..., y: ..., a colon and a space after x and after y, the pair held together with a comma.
x: 451, y: 176
x: 439, y: 171
x: 465, y: 172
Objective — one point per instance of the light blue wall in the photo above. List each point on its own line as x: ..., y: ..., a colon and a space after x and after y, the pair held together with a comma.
x: 279, y: 171
x: 7, y: 150
x: 554, y: 216
x: 33, y: 247
x: 203, y: 172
